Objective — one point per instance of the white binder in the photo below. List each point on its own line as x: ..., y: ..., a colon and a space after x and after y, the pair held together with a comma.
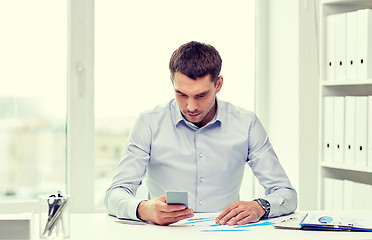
x: 361, y: 131
x: 328, y: 129
x: 330, y: 36
x: 338, y: 194
x: 350, y: 130
x: 364, y: 44
x: 348, y: 194
x: 339, y: 129
x: 328, y: 194
x: 340, y: 53
x: 359, y: 193
x: 369, y: 139
x: 351, y: 45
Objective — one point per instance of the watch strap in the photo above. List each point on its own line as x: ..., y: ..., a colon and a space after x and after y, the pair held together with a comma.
x: 265, y: 206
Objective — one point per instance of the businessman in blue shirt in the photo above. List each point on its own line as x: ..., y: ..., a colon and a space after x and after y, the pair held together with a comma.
x: 199, y: 144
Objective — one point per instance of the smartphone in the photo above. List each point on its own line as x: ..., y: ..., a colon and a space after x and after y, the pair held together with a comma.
x: 177, y: 197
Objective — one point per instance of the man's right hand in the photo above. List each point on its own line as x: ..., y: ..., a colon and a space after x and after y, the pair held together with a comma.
x: 159, y: 212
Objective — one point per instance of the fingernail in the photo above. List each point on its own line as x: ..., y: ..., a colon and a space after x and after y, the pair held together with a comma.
x: 222, y: 222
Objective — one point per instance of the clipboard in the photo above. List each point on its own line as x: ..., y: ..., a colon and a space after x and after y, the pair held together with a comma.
x: 322, y: 221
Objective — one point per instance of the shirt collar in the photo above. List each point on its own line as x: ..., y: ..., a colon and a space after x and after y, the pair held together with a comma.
x: 178, y: 117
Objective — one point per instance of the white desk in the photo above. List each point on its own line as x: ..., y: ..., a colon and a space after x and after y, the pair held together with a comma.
x: 101, y: 226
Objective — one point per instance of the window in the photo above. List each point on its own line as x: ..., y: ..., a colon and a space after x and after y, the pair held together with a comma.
x: 133, y: 43
x: 48, y: 78
x: 32, y: 98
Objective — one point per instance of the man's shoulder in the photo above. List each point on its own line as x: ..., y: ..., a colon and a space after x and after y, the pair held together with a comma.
x: 235, y: 110
x: 158, y: 111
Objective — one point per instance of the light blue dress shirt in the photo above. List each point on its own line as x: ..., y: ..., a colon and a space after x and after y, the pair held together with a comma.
x: 206, y: 162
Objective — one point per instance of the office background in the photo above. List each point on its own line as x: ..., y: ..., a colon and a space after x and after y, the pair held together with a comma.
x: 270, y: 52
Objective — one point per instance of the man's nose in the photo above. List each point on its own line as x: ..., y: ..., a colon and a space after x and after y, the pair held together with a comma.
x: 192, y: 105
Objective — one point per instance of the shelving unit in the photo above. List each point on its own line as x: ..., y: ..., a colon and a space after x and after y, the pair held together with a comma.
x: 360, y: 87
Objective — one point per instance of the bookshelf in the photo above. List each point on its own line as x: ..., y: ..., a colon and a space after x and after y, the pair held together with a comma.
x: 337, y: 170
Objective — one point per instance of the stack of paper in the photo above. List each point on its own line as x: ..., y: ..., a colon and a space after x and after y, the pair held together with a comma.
x: 16, y: 226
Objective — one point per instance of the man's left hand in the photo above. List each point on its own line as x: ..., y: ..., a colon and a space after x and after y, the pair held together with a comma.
x: 240, y: 213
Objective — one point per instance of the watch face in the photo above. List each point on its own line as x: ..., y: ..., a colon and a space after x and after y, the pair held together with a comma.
x: 265, y: 203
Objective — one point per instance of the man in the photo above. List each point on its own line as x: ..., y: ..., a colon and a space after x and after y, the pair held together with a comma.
x: 199, y: 144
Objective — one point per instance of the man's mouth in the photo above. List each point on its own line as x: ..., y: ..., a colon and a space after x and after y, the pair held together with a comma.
x: 193, y: 114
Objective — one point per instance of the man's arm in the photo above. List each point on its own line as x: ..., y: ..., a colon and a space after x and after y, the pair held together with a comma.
x: 266, y: 167
x: 120, y: 198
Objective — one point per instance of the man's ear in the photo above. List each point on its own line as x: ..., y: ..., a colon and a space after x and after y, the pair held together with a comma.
x: 219, y: 84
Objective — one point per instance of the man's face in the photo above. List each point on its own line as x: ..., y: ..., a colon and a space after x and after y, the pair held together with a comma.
x: 196, y: 98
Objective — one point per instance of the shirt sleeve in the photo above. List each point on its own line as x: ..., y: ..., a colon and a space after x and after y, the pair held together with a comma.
x: 120, y: 200
x: 269, y: 172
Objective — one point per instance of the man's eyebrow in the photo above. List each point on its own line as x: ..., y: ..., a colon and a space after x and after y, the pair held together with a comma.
x: 203, y: 93
x: 178, y: 91
x: 198, y: 95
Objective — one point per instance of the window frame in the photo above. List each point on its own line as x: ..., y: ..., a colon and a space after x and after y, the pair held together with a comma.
x: 80, y: 113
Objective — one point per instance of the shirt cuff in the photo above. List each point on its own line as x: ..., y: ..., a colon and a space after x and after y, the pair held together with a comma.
x: 275, y: 205
x: 132, y: 209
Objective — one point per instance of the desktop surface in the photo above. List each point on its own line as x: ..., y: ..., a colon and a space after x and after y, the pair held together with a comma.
x: 102, y: 226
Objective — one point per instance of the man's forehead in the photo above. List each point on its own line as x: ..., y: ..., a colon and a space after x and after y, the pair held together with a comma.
x: 189, y: 86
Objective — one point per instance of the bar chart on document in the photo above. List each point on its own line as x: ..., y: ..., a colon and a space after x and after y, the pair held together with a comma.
x: 207, y: 224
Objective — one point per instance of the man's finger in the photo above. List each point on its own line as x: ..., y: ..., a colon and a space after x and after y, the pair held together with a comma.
x: 233, y: 213
x: 172, y: 208
x: 247, y: 219
x: 225, y: 212
x: 239, y: 217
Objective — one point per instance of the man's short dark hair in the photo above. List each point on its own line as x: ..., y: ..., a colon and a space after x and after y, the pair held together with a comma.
x: 196, y: 60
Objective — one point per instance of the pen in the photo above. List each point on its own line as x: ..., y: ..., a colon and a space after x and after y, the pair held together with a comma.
x: 131, y: 222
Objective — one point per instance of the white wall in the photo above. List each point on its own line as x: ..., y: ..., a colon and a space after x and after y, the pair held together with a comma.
x: 281, y: 84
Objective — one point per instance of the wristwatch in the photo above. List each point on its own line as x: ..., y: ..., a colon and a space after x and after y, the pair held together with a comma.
x: 265, y: 205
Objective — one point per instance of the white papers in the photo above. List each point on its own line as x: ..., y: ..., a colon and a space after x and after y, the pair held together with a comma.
x: 207, y: 223
x: 337, y: 221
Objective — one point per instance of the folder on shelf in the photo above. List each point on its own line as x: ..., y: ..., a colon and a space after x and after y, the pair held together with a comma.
x: 328, y: 129
x: 361, y: 104
x: 339, y: 129
x: 338, y: 194
x: 349, y: 195
x: 328, y: 193
x: 362, y: 196
x: 364, y: 46
x: 330, y: 47
x: 350, y: 130
x: 369, y: 138
x: 340, y: 23
x: 351, y: 45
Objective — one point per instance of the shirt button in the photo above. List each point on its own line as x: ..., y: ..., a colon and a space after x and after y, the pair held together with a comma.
x: 200, y: 202
x: 201, y: 155
x: 199, y: 131
x: 201, y: 179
